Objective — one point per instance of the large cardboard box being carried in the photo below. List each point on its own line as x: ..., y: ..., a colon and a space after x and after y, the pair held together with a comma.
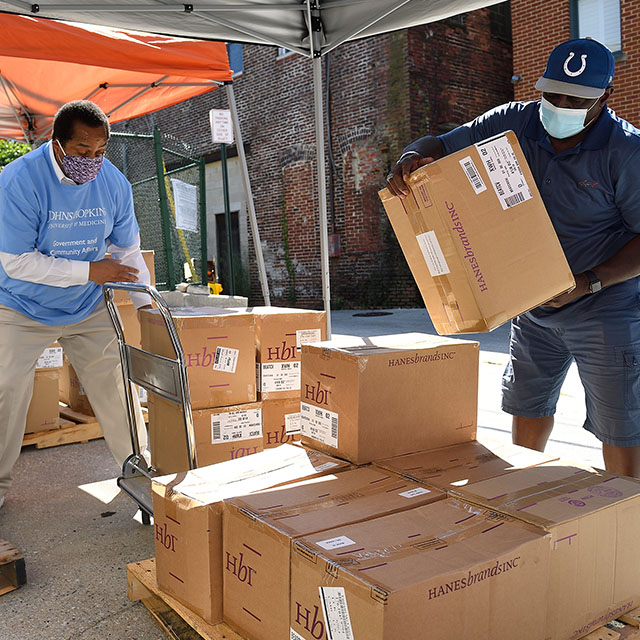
x: 367, y: 398
x: 280, y: 422
x: 222, y: 433
x: 460, y: 465
x: 258, y: 530
x: 280, y: 332
x: 477, y: 237
x: 443, y: 571
x: 219, y: 351
x: 187, y: 511
x: 594, y: 519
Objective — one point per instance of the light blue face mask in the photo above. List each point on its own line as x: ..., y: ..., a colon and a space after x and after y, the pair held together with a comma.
x: 562, y: 123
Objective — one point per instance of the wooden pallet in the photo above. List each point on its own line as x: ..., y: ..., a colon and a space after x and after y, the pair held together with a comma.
x: 12, y: 571
x: 74, y: 427
x: 178, y: 622
x: 626, y: 627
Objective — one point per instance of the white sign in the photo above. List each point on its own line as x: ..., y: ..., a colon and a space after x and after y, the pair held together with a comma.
x: 236, y: 425
x: 185, y: 197
x: 221, y: 126
x: 335, y: 543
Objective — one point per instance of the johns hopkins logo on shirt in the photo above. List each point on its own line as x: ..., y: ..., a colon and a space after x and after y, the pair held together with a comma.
x: 77, y: 218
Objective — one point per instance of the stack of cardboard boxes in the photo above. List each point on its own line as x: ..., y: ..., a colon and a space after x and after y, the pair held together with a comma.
x: 411, y: 528
x: 43, y: 413
x: 235, y: 411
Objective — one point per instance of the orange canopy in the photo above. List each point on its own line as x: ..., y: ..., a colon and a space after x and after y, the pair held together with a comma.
x: 45, y: 63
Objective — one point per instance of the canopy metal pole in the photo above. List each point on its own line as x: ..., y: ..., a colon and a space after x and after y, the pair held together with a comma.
x: 322, y: 189
x: 262, y: 272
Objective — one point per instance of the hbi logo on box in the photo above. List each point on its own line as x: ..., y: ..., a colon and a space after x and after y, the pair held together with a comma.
x: 282, y: 352
x: 316, y: 394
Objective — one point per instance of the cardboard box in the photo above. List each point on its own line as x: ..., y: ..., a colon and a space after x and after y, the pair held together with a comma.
x: 51, y: 358
x: 219, y: 351
x: 71, y: 391
x: 367, y: 398
x: 222, y: 433
x: 280, y: 332
x: 258, y: 530
x: 594, y: 519
x: 122, y: 298
x: 445, y: 570
x: 280, y: 421
x: 460, y: 465
x: 477, y: 237
x: 44, y: 410
x: 187, y: 510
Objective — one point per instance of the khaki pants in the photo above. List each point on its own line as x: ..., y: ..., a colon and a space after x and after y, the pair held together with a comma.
x: 92, y: 349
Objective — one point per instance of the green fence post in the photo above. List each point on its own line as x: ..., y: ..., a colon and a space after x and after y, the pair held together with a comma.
x: 164, y: 208
x: 203, y: 222
x: 227, y: 216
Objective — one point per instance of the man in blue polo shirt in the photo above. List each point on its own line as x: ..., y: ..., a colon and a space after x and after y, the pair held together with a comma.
x: 586, y: 164
x: 62, y: 207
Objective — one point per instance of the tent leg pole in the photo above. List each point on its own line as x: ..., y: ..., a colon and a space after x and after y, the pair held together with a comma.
x: 322, y: 189
x: 253, y: 220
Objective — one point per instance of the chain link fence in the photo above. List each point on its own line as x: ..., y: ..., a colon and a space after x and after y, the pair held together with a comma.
x: 150, y: 163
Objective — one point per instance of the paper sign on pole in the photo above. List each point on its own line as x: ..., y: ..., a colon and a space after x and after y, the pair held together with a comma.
x: 185, y: 197
x: 221, y: 126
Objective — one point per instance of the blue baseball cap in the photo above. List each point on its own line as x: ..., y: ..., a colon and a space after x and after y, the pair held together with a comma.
x: 581, y: 67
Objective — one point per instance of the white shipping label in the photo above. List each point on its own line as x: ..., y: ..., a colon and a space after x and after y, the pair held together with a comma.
x: 292, y: 423
x: 325, y: 466
x: 336, y: 613
x: 236, y: 425
x: 319, y: 424
x: 432, y: 253
x: 226, y: 359
x: 305, y: 336
x: 412, y: 493
x: 294, y: 635
x: 51, y: 357
x: 335, y: 543
x: 280, y: 376
x: 504, y: 171
x: 473, y: 174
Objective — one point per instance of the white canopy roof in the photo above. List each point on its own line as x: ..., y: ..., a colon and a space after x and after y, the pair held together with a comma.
x: 285, y: 23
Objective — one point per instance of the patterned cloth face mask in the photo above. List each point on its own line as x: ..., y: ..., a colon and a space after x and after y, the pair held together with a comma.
x: 80, y: 169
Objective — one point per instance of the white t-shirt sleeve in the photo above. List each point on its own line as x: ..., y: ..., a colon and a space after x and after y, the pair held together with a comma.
x: 132, y: 257
x: 41, y: 269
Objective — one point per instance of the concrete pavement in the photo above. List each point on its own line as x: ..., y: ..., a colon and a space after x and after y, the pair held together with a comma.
x: 77, y: 531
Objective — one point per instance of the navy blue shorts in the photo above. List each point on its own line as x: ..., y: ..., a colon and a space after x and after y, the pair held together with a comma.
x: 606, y: 350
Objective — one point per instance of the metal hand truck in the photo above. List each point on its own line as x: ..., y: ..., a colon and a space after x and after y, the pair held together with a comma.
x: 164, y: 376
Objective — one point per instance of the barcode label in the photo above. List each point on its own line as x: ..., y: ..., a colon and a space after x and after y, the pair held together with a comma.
x: 336, y: 613
x: 292, y: 423
x: 335, y: 543
x: 473, y: 174
x: 319, y: 424
x: 280, y: 376
x: 432, y: 253
x: 513, y: 200
x: 226, y: 359
x: 231, y: 426
x: 306, y: 336
x: 504, y: 171
x: 50, y: 358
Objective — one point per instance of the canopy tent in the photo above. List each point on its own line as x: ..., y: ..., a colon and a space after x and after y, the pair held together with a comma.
x: 309, y: 27
x: 45, y: 63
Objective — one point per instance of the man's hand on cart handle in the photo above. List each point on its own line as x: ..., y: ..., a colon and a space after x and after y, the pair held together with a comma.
x: 108, y: 270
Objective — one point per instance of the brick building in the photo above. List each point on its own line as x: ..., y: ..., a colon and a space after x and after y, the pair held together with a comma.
x: 383, y: 92
x: 539, y: 26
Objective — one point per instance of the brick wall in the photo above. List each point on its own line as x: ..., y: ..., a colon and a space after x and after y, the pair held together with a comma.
x: 538, y: 27
x: 384, y: 92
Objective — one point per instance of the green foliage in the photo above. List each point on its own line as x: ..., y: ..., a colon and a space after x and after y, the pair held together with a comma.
x: 10, y: 150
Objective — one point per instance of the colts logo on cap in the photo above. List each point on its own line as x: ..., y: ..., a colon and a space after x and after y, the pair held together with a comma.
x: 573, y: 74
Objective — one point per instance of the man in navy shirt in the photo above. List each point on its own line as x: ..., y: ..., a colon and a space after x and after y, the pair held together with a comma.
x: 586, y: 164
